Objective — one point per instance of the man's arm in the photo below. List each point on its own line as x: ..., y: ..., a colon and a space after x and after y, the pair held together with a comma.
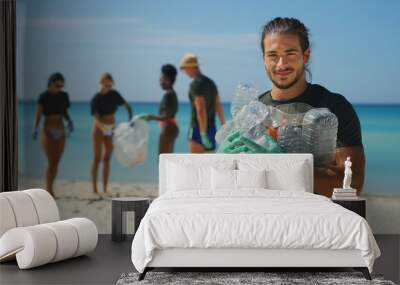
x: 219, y: 110
x: 325, y: 179
x: 201, y: 112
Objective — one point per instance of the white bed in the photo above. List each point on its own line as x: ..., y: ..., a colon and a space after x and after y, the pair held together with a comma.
x: 248, y: 227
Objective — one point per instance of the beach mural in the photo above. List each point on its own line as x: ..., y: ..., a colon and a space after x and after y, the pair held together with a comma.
x: 131, y: 43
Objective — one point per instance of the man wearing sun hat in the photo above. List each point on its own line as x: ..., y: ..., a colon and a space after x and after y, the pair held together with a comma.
x: 205, y: 103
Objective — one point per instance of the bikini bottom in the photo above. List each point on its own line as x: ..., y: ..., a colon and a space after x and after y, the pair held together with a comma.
x: 107, y: 129
x: 54, y: 133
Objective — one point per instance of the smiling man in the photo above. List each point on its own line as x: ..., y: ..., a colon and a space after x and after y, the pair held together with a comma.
x: 286, y: 53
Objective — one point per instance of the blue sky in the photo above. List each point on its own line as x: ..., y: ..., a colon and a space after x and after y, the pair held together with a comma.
x: 355, y: 44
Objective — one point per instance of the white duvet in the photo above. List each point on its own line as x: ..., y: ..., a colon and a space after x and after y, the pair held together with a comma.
x: 253, y: 218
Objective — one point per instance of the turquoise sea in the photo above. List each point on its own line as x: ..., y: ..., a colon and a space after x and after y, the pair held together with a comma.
x: 380, y: 131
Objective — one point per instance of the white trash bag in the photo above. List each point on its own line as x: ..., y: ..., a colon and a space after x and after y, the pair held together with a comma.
x: 131, y: 142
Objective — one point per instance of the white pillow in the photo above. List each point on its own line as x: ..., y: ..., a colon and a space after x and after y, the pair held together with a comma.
x: 183, y: 175
x: 230, y: 180
x: 251, y: 178
x: 289, y: 179
x: 223, y: 179
x: 281, y: 174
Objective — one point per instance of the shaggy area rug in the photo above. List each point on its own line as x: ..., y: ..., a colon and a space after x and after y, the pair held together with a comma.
x: 244, y: 278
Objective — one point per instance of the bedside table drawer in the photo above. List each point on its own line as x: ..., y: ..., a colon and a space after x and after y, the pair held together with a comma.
x: 357, y: 206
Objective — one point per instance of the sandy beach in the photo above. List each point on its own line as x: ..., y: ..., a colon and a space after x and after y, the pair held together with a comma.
x: 75, y: 199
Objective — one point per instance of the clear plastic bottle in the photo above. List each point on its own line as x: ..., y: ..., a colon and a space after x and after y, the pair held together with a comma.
x: 290, y: 132
x: 224, y: 131
x: 251, y: 115
x: 247, y: 113
x: 320, y: 134
x: 244, y: 94
x: 256, y: 134
x: 290, y: 138
x: 252, y: 119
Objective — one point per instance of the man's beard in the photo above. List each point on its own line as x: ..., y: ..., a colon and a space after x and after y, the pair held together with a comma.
x: 288, y: 85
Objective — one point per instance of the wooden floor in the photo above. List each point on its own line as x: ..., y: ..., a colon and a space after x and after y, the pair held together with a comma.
x: 111, y: 259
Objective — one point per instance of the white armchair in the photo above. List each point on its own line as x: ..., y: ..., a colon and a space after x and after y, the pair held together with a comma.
x: 31, y: 230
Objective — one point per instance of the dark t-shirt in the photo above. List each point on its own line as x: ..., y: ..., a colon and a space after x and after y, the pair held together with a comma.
x: 169, y: 104
x: 54, y: 104
x: 203, y: 86
x: 349, y: 129
x: 105, y: 104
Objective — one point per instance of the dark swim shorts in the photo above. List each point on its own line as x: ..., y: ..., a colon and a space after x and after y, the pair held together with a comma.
x: 194, y: 135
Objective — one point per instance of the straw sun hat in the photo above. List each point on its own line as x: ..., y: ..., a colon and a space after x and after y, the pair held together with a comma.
x: 189, y: 60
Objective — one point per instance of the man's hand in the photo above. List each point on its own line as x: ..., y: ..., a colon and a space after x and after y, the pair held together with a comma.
x: 235, y: 142
x: 206, y: 141
x: 270, y: 146
x: 230, y: 142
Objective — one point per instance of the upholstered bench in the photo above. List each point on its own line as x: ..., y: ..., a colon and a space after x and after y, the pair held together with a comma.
x: 31, y: 231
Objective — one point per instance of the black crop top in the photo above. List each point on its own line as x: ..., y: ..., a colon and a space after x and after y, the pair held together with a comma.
x: 104, y: 104
x: 54, y: 104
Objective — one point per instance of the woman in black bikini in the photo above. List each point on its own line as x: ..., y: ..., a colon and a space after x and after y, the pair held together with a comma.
x: 168, y: 109
x: 103, y: 105
x: 53, y: 104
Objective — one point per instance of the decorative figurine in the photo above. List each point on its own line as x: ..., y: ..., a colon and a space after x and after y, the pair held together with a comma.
x: 347, y: 174
x: 347, y: 192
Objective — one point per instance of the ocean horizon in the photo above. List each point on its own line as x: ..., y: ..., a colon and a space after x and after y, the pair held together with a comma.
x: 34, y: 100
x: 380, y: 125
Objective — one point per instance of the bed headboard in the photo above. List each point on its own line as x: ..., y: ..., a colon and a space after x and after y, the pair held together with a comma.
x: 209, y: 158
